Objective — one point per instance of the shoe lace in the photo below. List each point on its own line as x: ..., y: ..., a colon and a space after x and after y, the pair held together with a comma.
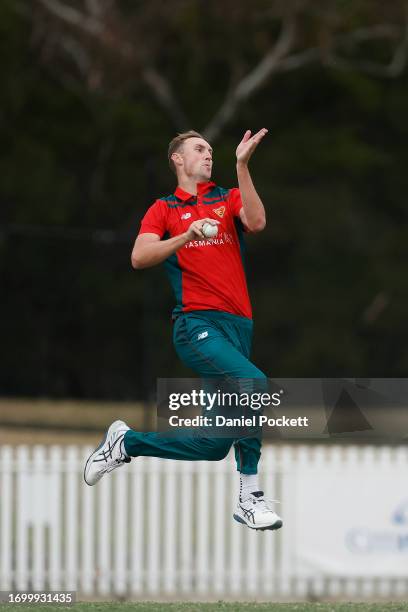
x: 263, y: 502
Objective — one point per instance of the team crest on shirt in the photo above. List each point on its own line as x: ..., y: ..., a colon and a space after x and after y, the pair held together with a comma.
x: 219, y: 211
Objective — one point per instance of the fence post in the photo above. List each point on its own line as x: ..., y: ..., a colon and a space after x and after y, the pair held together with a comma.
x: 6, y: 458
x: 56, y: 478
x: 21, y: 509
x: 171, y: 503
x: 154, y: 504
x: 87, y: 527
x: 71, y: 518
x: 41, y: 497
x: 137, y: 527
x: 186, y: 526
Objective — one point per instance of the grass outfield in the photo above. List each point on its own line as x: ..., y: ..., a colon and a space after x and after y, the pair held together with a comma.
x: 212, y: 607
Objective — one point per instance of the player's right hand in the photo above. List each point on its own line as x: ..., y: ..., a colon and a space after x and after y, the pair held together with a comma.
x: 195, y: 229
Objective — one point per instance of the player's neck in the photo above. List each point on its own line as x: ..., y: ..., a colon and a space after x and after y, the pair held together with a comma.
x: 189, y: 183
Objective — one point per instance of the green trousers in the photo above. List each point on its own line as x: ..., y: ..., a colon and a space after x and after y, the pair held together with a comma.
x: 215, y: 345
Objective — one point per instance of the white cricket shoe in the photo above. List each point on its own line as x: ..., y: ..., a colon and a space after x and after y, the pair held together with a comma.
x: 256, y: 512
x: 109, y: 455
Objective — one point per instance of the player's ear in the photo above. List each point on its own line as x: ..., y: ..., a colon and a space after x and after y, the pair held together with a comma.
x: 177, y: 158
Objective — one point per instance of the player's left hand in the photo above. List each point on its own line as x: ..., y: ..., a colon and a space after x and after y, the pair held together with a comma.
x: 248, y: 145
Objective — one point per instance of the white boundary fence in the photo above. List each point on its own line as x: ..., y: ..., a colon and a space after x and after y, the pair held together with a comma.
x: 164, y: 528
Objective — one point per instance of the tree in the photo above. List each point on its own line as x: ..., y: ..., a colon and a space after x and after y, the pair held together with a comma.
x: 109, y: 44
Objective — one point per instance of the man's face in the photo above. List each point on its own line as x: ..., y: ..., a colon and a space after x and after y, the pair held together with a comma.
x: 196, y: 155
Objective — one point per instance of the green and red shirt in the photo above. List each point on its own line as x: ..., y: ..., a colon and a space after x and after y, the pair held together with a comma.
x: 208, y: 273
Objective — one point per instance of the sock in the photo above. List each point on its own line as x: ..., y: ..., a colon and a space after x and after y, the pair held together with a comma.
x: 248, y: 483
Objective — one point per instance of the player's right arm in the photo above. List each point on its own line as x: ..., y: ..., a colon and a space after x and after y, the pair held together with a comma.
x: 149, y: 250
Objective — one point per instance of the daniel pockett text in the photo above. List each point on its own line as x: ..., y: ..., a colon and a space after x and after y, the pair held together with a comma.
x: 256, y: 420
x: 252, y: 405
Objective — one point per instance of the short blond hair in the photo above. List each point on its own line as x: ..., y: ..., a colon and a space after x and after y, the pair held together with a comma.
x: 177, y: 143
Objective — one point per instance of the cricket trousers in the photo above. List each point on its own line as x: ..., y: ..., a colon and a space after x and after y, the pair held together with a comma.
x: 215, y: 345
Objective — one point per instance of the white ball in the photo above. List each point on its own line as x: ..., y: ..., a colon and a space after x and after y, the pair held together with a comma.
x: 209, y: 230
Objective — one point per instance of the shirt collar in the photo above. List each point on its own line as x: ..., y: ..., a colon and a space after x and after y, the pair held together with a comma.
x: 202, y: 188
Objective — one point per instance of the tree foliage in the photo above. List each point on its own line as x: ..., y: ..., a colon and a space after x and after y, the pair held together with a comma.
x: 157, y: 42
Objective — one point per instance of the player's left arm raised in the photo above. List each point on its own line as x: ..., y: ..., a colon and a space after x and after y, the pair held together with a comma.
x: 253, y: 212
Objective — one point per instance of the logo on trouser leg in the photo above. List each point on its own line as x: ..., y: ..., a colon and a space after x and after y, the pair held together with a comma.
x: 202, y: 335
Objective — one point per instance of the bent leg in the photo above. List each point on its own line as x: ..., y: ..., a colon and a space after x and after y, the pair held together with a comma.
x: 214, y: 355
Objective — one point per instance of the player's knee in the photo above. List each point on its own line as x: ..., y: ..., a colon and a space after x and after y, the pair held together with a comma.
x: 214, y: 449
x: 221, y: 449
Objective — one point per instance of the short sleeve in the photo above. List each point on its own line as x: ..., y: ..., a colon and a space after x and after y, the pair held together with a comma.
x: 155, y: 219
x: 235, y: 202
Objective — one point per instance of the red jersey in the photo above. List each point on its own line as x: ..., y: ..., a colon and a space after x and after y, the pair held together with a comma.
x: 207, y: 273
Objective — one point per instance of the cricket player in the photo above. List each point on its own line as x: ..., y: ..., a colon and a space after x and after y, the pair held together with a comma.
x: 212, y: 328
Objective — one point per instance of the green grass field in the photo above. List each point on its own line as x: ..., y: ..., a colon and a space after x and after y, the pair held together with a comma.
x: 212, y: 607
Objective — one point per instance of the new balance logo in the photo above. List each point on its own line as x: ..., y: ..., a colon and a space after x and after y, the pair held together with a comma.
x: 202, y: 335
x: 186, y: 216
